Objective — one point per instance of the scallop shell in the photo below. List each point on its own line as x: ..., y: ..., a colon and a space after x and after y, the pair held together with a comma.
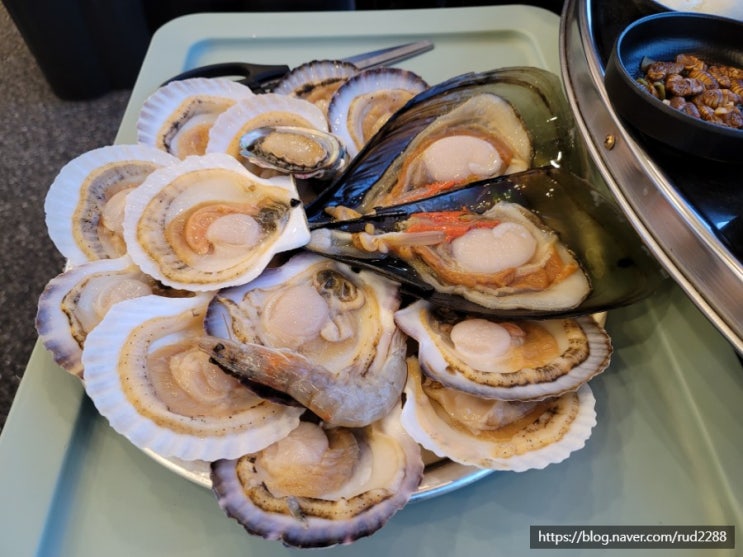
x: 75, y: 301
x: 171, y: 220
x: 389, y: 471
x: 316, y: 81
x: 147, y: 378
x: 268, y: 109
x: 177, y: 117
x: 539, y: 359
x: 84, y: 205
x: 367, y: 100
x: 338, y: 322
x: 541, y: 433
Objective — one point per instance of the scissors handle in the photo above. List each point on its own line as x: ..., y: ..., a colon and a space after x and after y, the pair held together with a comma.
x: 252, y: 75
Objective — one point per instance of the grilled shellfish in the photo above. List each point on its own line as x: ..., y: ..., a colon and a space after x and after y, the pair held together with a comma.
x: 84, y: 206
x: 502, y: 258
x: 257, y: 112
x: 494, y: 122
x: 596, y: 242
x: 362, y: 104
x: 316, y: 81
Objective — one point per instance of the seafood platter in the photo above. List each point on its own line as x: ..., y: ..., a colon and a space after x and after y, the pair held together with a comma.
x: 325, y: 305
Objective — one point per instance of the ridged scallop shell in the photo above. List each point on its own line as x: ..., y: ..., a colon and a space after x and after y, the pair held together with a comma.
x: 176, y: 118
x: 75, y: 301
x: 339, y: 323
x: 367, y: 100
x: 268, y: 109
x: 206, y: 223
x: 532, y: 361
x: 84, y: 206
x: 146, y: 376
x: 316, y: 81
x: 389, y: 471
x: 536, y: 434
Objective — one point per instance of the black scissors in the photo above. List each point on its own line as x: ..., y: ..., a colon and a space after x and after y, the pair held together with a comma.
x: 262, y: 77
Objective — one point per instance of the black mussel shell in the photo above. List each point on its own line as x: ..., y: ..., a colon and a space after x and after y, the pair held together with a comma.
x: 587, y: 221
x: 535, y: 94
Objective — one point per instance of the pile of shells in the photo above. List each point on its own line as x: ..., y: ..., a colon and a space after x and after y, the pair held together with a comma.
x: 432, y: 294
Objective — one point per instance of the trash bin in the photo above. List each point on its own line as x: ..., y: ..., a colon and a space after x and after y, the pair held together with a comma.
x: 84, y: 48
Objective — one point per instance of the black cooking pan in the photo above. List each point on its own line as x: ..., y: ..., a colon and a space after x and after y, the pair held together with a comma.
x: 662, y: 36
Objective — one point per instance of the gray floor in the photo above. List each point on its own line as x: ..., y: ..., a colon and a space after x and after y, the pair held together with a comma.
x: 40, y: 133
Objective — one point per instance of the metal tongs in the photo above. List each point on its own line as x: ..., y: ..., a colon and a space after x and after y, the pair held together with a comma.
x: 262, y: 77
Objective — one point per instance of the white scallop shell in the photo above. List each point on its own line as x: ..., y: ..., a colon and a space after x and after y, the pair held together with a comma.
x: 386, y: 488
x: 64, y: 318
x: 312, y: 73
x: 268, y: 109
x: 360, y: 95
x: 166, y: 195
x: 117, y: 380
x: 316, y: 81
x: 188, y: 106
x: 439, y: 359
x: 422, y: 421
x: 77, y: 197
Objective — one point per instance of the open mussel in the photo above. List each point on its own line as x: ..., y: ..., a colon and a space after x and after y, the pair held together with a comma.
x: 541, y: 243
x: 509, y: 120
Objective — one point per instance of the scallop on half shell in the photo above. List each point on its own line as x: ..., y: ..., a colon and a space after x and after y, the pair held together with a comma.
x: 207, y: 223
x: 319, y: 486
x: 148, y: 378
x: 495, y: 434
x: 177, y: 117
x: 367, y: 100
x: 506, y: 360
x: 319, y: 331
x: 260, y: 111
x: 84, y: 206
x: 75, y: 301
